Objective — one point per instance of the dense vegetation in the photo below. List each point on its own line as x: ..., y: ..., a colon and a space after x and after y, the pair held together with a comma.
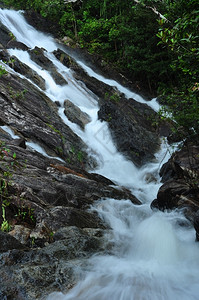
x: 153, y: 42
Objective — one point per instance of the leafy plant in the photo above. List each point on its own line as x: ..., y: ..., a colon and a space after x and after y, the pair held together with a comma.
x: 9, y: 163
x: 25, y: 214
x: 2, y: 71
x: 12, y: 36
x: 5, y: 225
x: 181, y: 37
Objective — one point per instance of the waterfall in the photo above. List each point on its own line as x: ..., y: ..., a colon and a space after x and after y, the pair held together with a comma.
x: 153, y: 258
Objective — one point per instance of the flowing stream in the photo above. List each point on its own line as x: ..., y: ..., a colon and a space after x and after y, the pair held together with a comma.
x: 154, y: 257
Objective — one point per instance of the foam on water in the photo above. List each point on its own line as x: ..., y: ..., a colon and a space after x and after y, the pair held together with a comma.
x: 23, y: 32
x: 149, y: 260
x: 128, y: 94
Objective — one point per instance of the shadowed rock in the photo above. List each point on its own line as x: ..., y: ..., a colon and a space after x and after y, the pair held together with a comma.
x: 180, y: 189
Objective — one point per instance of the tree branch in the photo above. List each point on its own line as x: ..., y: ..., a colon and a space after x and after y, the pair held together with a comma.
x: 153, y: 9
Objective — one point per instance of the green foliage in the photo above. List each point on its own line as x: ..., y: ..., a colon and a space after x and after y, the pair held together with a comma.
x: 2, y: 71
x: 8, y: 165
x: 4, y: 225
x: 159, y: 55
x: 25, y: 215
x: 17, y: 95
x: 75, y: 155
x: 116, y: 30
x: 182, y: 39
x: 12, y: 36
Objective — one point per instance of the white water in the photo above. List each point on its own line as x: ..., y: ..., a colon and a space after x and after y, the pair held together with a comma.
x: 153, y: 258
x: 128, y: 94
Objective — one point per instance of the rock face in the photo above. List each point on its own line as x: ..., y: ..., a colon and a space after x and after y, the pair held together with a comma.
x: 21, y: 68
x: 131, y: 128
x: 180, y: 189
x: 5, y: 36
x: 38, y: 56
x: 31, y: 114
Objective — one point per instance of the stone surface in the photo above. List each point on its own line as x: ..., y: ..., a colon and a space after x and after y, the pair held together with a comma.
x: 34, y: 116
x: 22, y: 68
x: 8, y: 242
x: 5, y: 36
x: 181, y: 189
x: 38, y: 55
x: 35, y: 273
x: 75, y: 115
x: 131, y: 128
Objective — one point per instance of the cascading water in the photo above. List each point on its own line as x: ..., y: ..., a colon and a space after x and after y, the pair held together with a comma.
x: 153, y: 257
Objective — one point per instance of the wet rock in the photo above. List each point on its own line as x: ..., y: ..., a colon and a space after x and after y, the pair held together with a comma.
x: 180, y: 189
x: 98, y: 87
x: 168, y: 194
x: 50, y: 196
x: 34, y: 116
x: 20, y: 233
x: 131, y: 128
x: 38, y: 56
x: 16, y: 45
x: 4, y: 55
x: 22, y: 68
x: 183, y: 163
x: 60, y: 216
x: 149, y: 177
x: 8, y: 242
x: 66, y: 60
x: 75, y: 115
x: 36, y: 273
x: 101, y: 66
x: 5, y: 36
x: 19, y: 142
x: 42, y: 24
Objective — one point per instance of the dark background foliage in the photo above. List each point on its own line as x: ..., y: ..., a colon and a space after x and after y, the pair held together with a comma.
x: 162, y: 56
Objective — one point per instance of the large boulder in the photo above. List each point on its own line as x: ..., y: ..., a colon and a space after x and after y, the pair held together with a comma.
x: 181, y: 189
x: 37, y: 272
x: 131, y: 126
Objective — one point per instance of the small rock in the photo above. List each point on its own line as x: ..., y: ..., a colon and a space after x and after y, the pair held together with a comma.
x: 21, y: 233
x: 75, y: 115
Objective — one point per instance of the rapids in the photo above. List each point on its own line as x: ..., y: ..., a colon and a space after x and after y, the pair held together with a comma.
x: 153, y: 257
